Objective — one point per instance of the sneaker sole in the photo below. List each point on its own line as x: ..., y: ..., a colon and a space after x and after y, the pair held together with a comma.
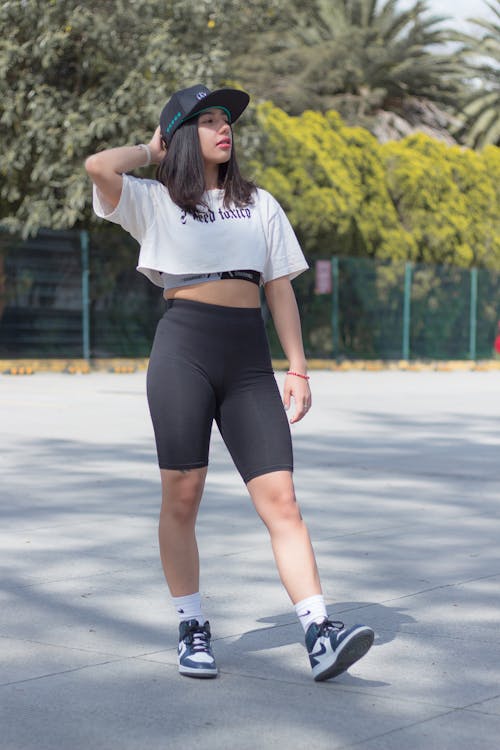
x: 203, y: 674
x: 356, y: 647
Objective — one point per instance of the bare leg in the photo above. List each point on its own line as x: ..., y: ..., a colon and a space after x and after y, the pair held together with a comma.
x: 274, y: 498
x: 181, y: 497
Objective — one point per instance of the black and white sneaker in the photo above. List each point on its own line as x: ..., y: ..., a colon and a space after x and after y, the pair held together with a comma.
x: 333, y: 648
x: 195, y: 656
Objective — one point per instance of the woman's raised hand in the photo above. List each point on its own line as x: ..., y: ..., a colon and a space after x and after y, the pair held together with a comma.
x: 156, y: 147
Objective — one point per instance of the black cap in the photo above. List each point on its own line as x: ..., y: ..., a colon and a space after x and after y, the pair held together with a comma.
x: 189, y: 102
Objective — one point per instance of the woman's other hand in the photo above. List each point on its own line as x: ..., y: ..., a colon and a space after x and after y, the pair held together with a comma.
x: 297, y: 388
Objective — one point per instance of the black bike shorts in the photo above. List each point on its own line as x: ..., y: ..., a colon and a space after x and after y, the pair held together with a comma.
x: 212, y: 362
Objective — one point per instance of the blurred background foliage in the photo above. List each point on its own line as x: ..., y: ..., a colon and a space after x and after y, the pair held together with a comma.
x: 416, y: 199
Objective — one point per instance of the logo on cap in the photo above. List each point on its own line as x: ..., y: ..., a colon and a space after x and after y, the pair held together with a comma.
x: 201, y: 95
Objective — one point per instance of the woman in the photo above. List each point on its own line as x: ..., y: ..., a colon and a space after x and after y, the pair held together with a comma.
x: 210, y: 238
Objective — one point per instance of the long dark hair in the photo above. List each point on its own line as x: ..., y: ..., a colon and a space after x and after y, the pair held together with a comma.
x: 182, y: 172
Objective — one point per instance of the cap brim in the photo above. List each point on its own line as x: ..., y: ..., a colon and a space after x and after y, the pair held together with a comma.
x: 233, y: 100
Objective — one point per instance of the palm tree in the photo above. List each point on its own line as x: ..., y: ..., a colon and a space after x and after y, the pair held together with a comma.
x: 481, y: 110
x: 352, y: 55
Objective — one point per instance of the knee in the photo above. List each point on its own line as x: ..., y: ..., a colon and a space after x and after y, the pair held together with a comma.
x: 180, y: 508
x: 283, y: 507
x: 181, y: 499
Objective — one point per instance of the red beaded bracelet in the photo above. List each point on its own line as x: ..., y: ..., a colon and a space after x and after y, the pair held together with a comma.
x: 298, y: 374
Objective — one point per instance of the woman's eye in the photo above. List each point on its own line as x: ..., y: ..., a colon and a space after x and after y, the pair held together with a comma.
x: 210, y: 120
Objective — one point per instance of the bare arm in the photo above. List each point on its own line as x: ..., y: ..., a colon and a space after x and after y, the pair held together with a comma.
x: 283, y: 306
x: 107, y: 167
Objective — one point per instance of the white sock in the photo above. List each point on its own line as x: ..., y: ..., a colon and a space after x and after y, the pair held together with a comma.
x: 189, y: 607
x: 312, y: 609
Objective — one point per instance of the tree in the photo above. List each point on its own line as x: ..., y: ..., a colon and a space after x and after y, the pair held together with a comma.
x: 346, y: 194
x: 356, y: 56
x: 448, y: 199
x: 481, y: 110
x: 331, y: 180
x: 78, y: 77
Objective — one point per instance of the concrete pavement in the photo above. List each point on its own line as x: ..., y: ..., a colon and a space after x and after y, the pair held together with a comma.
x: 398, y: 477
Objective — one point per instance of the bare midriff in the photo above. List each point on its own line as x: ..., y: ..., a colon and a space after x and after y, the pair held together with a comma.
x: 225, y: 292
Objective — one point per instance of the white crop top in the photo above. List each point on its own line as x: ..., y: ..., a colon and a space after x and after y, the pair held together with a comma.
x: 258, y: 236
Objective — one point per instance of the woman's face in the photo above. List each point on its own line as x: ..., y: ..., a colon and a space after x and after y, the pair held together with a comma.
x: 214, y: 132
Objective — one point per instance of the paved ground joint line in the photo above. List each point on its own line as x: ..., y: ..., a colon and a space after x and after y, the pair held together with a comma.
x: 60, y: 672
x: 395, y: 730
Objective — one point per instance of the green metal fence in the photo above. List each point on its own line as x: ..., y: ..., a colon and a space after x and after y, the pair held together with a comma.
x: 387, y: 310
x: 68, y: 294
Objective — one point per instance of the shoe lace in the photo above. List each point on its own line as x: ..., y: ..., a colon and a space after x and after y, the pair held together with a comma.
x: 331, y: 625
x: 198, y: 636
